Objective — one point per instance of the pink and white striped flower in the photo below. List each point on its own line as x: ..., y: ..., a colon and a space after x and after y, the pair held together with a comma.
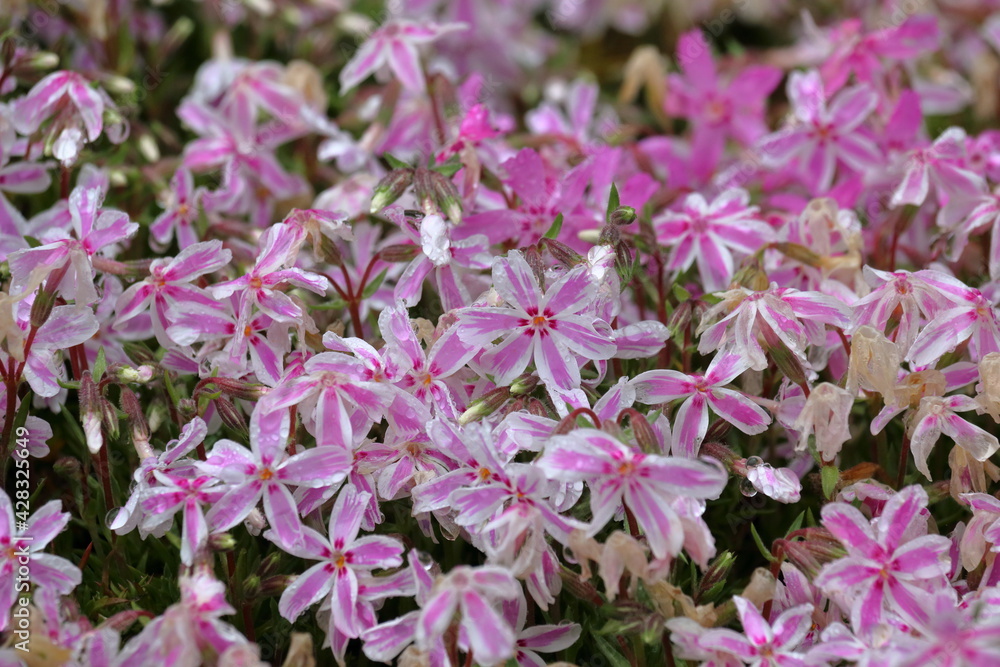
x: 700, y: 393
x: 891, y: 563
x: 343, y: 556
x: 551, y: 328
x: 646, y: 483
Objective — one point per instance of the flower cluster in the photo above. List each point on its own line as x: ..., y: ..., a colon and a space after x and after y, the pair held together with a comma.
x: 409, y: 336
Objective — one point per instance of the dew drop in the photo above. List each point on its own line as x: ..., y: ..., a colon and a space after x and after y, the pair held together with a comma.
x: 111, y: 518
x: 754, y: 461
x: 747, y: 488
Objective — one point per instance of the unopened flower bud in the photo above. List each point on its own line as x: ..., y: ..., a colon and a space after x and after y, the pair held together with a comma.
x: 139, y: 353
x: 390, y: 188
x: 715, y: 577
x: 128, y: 375
x: 221, y: 542
x: 41, y: 308
x: 247, y: 391
x: 752, y: 276
x: 623, y: 215
x: 524, y: 384
x: 90, y: 411
x: 109, y: 417
x: 137, y: 423
x: 328, y: 251
x: 398, y: 253
x: 783, y: 357
x: 187, y: 408
x: 232, y: 416
x: 447, y: 197
x: 485, y: 406
x: 423, y: 188
x: 800, y: 253
x: 562, y: 253
x: 642, y: 430
x: 874, y: 363
x: 624, y: 263
x: 41, y: 61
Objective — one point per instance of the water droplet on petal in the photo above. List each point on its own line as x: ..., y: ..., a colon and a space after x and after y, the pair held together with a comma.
x: 747, y: 488
x: 111, y: 518
x: 754, y: 461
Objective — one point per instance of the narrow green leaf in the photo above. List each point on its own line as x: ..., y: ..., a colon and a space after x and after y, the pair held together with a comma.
x: 680, y: 293
x: 373, y: 286
x: 614, y: 201
x: 797, y: 523
x: 396, y: 163
x: 100, y: 366
x: 553, y: 231
x: 760, y: 545
x: 830, y: 476
x: 610, y: 652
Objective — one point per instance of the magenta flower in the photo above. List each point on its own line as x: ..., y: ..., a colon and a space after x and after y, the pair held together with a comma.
x: 763, y: 644
x: 182, y: 204
x: 819, y: 137
x: 260, y: 287
x: 395, y: 45
x: 342, y: 556
x: 179, y: 494
x: 95, y: 228
x: 936, y: 416
x: 549, y: 328
x: 708, y: 232
x: 717, y: 109
x: 701, y: 392
x: 266, y: 471
x: 23, y: 543
x: 891, y: 563
x: 79, y: 111
x: 169, y: 286
x: 646, y: 483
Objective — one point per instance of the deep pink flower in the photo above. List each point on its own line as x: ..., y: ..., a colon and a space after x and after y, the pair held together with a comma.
x: 94, y: 228
x: 78, y: 109
x: 182, y: 204
x: 260, y: 287
x: 717, y: 107
x: 180, y: 494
